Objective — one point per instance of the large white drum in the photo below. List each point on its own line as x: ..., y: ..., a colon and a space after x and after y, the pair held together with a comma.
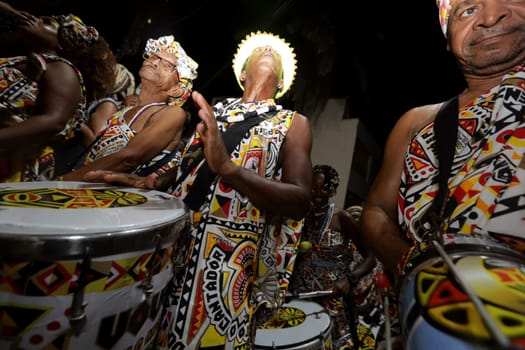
x: 299, y: 324
x: 83, y: 265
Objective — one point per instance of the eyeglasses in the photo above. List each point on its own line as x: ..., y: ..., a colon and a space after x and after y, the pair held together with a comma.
x: 164, y: 63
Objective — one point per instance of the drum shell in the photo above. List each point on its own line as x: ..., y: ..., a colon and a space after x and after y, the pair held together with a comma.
x: 127, y: 261
x: 312, y: 330
x: 435, y: 313
x: 119, y: 314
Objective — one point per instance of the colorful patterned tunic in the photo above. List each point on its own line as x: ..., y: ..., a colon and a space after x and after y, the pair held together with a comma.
x: 18, y: 101
x: 115, y: 136
x: 239, y: 257
x: 357, y: 321
x: 327, y: 262
x: 483, y: 228
x: 318, y: 269
x: 487, y: 176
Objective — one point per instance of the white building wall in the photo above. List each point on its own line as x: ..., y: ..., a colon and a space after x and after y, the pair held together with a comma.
x: 334, y: 142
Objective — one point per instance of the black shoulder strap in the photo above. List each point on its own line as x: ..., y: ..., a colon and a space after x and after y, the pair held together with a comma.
x: 445, y: 130
x: 200, y: 187
x: 445, y: 134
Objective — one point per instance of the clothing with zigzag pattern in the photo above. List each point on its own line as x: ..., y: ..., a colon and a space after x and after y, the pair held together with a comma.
x: 116, y: 134
x: 18, y: 101
x: 239, y: 258
x: 487, y: 178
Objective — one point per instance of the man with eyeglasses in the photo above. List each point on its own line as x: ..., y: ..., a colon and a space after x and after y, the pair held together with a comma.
x: 248, y: 195
x: 164, y: 62
x: 143, y: 138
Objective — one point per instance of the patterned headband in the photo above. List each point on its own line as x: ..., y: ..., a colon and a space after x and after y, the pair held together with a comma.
x: 186, y: 66
x: 444, y: 11
x: 77, y: 28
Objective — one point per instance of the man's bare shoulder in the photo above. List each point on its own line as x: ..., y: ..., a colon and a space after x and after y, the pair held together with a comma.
x: 300, y: 122
x: 418, y: 117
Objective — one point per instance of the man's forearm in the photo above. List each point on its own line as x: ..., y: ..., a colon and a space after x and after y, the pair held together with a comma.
x: 383, y: 237
x: 284, y: 199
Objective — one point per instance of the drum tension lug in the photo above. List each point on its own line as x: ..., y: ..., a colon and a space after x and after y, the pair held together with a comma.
x: 77, y: 316
x: 147, y: 283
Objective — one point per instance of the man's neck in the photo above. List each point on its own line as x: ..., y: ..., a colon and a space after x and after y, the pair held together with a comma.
x: 150, y: 95
x: 258, y: 91
x: 481, y: 84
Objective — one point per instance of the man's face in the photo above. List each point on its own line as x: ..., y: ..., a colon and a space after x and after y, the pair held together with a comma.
x: 265, y: 57
x: 487, y: 36
x: 160, y: 66
x: 266, y: 52
x: 320, y: 191
x: 25, y: 26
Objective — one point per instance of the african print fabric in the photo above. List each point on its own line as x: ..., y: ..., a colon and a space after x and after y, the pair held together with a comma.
x: 328, y: 261
x: 358, y: 320
x: 318, y: 269
x: 238, y: 258
x: 115, y: 135
x: 483, y: 230
x: 36, y: 301
x: 18, y: 101
x: 487, y: 175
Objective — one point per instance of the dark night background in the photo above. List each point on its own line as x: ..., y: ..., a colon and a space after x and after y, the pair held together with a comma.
x: 383, y: 56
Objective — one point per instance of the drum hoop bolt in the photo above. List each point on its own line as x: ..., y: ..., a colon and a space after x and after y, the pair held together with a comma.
x: 147, y: 283
x: 77, y: 315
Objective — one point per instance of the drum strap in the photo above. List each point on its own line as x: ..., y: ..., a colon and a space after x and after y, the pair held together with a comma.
x: 232, y: 136
x: 445, y: 131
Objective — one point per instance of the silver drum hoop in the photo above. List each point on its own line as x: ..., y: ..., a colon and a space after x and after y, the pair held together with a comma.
x: 33, y: 227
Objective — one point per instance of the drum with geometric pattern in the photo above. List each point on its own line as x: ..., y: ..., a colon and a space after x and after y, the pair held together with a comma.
x: 437, y: 313
x: 297, y: 325
x: 84, y: 266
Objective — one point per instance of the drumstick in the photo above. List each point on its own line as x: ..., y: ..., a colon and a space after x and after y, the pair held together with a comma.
x: 382, y: 286
x: 388, y: 327
x: 308, y: 295
x: 502, y: 340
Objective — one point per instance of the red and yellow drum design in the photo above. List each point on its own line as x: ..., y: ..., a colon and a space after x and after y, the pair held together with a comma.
x: 436, y: 313
x: 84, y: 266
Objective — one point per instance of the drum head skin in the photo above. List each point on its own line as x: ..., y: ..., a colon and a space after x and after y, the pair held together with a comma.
x: 296, y: 325
x: 59, y: 220
x: 437, y: 313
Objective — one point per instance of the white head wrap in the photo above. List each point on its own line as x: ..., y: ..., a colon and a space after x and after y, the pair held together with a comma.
x: 444, y: 7
x: 186, y: 66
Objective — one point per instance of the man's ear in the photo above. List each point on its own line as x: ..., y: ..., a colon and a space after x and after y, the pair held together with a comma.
x: 242, y: 76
